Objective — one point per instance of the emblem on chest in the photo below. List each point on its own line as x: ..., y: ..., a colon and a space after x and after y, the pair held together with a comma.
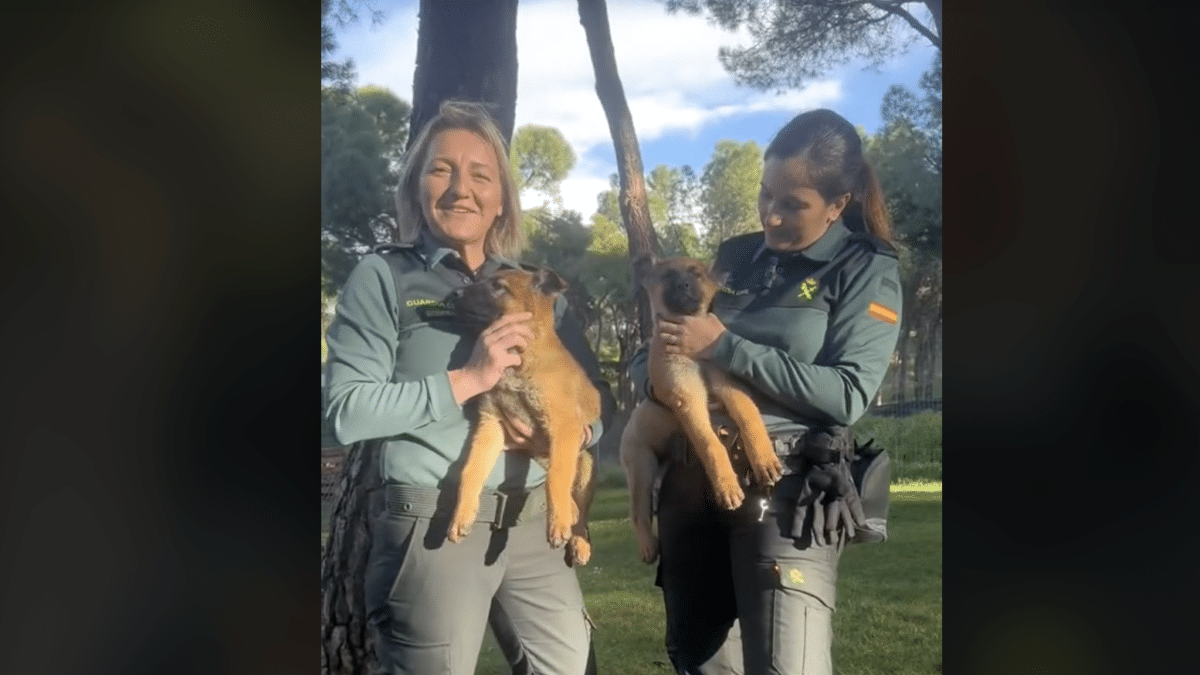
x: 808, y: 289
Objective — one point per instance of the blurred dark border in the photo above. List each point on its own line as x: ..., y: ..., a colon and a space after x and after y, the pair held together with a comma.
x: 1070, y: 338
x: 160, y: 267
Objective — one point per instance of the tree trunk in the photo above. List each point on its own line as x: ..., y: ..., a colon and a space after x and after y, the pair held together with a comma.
x: 466, y: 50
x: 901, y: 362
x: 910, y: 285
x: 937, y: 351
x: 920, y: 367
x: 346, y: 640
x: 635, y: 211
x: 599, y: 331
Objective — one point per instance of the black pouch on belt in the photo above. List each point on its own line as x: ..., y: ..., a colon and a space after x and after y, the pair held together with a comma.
x: 871, y: 469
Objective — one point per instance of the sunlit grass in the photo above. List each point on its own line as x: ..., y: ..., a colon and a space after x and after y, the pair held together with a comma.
x: 889, y: 617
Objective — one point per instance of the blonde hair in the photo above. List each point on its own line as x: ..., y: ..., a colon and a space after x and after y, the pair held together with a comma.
x: 505, y: 237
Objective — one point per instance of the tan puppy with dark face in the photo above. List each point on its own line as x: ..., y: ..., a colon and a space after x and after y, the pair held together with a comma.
x: 687, y: 389
x: 549, y: 393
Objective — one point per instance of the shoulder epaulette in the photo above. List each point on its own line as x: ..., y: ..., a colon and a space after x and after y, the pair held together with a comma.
x: 876, y: 244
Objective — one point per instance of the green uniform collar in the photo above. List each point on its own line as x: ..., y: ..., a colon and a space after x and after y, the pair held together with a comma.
x: 433, y: 251
x: 821, y: 250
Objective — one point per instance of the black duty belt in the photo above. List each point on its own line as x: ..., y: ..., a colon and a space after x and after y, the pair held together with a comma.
x: 787, y: 446
x: 499, y: 509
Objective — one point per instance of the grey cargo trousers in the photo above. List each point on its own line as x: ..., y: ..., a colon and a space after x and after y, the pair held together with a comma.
x: 741, y: 596
x: 428, y: 600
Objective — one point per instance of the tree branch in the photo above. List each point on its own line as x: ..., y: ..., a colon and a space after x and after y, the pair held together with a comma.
x: 895, y: 9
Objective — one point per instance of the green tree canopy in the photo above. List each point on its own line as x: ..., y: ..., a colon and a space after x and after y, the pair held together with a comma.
x: 907, y: 155
x: 673, y: 195
x: 795, y: 41
x: 391, y: 115
x: 360, y: 132
x: 729, y: 191
x: 340, y: 13
x: 540, y: 158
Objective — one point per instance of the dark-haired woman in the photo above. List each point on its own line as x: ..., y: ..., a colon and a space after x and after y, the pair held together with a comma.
x: 808, y: 317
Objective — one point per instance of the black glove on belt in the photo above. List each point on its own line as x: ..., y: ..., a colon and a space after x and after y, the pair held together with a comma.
x: 829, y: 505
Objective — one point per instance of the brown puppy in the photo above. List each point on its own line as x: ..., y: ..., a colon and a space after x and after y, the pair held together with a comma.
x: 549, y: 393
x: 688, y: 389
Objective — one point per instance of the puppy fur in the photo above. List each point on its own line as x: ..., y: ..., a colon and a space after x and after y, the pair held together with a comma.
x: 549, y: 392
x: 687, y: 390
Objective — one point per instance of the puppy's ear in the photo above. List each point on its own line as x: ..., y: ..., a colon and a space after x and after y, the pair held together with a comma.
x: 643, y: 264
x: 548, y: 282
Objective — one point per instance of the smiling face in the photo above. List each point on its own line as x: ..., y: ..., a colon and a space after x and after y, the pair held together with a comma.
x: 792, y: 213
x: 461, y: 193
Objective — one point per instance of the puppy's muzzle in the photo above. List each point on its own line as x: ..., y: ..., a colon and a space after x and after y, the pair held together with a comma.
x: 682, y: 295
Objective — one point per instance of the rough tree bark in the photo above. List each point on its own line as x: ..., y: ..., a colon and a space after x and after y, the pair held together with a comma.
x: 346, y: 641
x: 635, y: 210
x: 466, y: 50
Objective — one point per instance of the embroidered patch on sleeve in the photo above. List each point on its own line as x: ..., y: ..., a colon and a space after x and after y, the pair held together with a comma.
x: 878, y: 311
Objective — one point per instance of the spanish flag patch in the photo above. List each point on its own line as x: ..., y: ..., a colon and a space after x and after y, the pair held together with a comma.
x: 878, y: 311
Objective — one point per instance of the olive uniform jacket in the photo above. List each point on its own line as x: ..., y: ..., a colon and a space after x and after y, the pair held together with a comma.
x: 812, y: 331
x: 391, y: 344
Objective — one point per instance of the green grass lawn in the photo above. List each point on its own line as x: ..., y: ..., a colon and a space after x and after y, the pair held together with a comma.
x: 889, y: 618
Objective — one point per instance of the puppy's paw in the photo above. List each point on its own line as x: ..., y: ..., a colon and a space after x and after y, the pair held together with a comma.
x: 768, y: 470
x: 579, y: 551
x: 558, y: 528
x: 460, y: 524
x: 728, y: 493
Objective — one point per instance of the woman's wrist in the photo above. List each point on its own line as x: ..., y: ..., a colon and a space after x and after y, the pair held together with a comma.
x: 464, y: 385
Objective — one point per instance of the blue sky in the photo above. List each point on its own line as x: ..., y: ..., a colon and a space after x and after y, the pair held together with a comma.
x: 682, y: 100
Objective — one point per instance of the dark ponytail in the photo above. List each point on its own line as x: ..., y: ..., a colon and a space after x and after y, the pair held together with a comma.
x: 873, y: 207
x: 833, y: 155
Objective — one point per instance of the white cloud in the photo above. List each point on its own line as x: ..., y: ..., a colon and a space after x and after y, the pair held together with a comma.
x: 669, y: 71
x: 668, y: 67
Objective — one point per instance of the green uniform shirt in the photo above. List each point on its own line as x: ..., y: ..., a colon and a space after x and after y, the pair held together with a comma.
x: 388, y: 362
x: 813, y: 338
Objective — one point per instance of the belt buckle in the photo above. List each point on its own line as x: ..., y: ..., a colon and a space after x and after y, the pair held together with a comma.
x: 501, y: 505
x: 783, y: 445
